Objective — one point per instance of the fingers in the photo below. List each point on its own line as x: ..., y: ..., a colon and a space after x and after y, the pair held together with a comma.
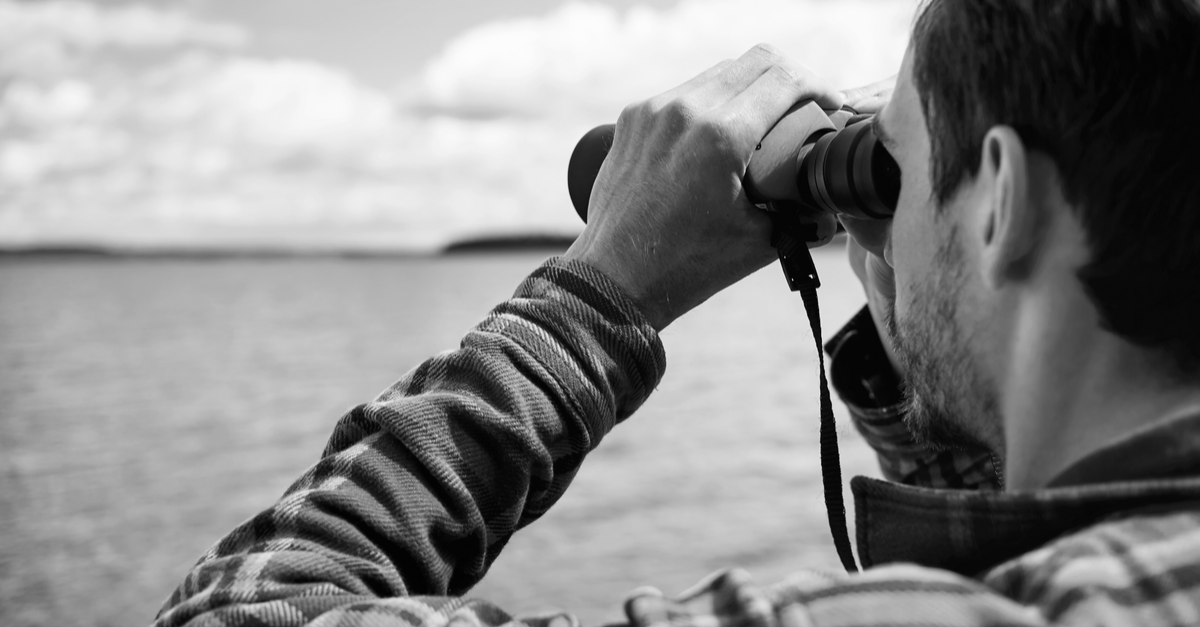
x: 826, y: 229
x: 873, y: 104
x: 699, y: 79
x: 870, y: 98
x: 673, y: 98
x: 746, y: 96
x: 869, y: 241
x: 879, y: 283
x: 877, y: 277
x: 671, y: 219
x: 772, y: 94
x: 762, y: 69
x: 884, y: 277
x: 871, y: 235
x: 884, y: 86
x: 857, y: 256
x: 743, y: 73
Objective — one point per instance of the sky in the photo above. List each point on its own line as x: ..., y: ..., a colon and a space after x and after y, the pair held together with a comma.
x: 363, y: 124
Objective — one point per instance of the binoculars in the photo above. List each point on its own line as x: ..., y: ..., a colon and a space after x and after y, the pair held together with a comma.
x: 812, y: 161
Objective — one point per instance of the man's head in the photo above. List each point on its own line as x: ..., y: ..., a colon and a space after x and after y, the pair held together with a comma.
x: 1005, y: 110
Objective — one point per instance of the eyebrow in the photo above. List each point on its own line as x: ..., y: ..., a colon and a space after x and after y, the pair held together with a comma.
x: 884, y: 137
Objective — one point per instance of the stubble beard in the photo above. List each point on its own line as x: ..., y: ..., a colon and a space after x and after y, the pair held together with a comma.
x: 948, y: 403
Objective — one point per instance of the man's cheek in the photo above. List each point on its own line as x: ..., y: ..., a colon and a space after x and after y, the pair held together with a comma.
x: 902, y: 304
x: 904, y: 258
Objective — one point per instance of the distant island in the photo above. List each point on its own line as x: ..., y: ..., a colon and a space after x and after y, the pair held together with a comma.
x: 484, y: 244
x: 101, y: 252
x: 510, y: 243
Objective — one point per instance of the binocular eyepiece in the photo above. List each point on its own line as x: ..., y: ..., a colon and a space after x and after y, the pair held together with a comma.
x: 811, y: 162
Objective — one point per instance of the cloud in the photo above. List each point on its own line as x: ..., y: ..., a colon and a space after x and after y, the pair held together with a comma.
x: 90, y: 27
x: 43, y: 39
x: 140, y: 125
x: 592, y: 59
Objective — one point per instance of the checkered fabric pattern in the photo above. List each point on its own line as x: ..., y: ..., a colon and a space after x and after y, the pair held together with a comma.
x: 417, y: 492
x: 901, y: 458
x: 904, y: 460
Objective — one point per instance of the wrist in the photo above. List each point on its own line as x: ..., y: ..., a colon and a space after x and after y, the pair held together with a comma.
x: 656, y: 310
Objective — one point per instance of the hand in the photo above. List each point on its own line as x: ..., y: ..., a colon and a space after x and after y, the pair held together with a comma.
x: 668, y: 219
x: 869, y: 248
x: 870, y: 98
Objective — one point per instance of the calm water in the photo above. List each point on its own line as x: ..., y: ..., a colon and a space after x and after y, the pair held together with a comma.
x: 148, y: 406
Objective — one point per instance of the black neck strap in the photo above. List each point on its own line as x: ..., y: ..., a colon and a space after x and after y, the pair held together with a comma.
x: 802, y: 277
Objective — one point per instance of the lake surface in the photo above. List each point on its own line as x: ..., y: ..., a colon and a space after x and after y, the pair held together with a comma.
x: 148, y: 406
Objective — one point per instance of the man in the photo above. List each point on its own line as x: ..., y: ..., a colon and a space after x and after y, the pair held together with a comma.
x: 1038, y: 289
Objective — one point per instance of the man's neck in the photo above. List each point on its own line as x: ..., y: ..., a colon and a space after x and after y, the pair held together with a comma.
x: 1074, y: 388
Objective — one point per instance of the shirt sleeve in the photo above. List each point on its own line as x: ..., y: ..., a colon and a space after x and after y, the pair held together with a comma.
x: 417, y: 492
x: 864, y: 378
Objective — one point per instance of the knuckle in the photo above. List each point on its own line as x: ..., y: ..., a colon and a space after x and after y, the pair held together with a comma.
x: 625, y: 116
x: 656, y: 104
x: 633, y: 113
x: 784, y: 74
x: 716, y: 133
x: 676, y: 113
x: 767, y: 52
x: 780, y: 66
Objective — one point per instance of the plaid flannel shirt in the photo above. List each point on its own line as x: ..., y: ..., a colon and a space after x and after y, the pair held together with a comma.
x: 417, y: 492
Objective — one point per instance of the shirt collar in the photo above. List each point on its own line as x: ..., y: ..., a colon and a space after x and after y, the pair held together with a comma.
x: 970, y: 531
x: 1169, y: 449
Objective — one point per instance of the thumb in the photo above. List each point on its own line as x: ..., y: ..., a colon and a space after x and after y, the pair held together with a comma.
x: 870, y: 98
x: 871, y: 235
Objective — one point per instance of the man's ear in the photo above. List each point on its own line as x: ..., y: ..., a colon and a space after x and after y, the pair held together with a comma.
x: 1007, y: 228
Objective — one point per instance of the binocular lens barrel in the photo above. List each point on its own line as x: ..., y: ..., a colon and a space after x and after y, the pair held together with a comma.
x: 585, y: 164
x: 850, y: 172
x: 845, y: 171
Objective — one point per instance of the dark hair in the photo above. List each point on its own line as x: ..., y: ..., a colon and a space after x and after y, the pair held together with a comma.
x: 1110, y: 90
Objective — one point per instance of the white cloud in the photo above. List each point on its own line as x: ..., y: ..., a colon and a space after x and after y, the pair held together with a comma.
x: 144, y: 125
x: 279, y: 104
x: 588, y: 58
x: 89, y: 26
x: 45, y: 39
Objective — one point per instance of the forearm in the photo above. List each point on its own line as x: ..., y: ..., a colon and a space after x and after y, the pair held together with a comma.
x: 417, y: 492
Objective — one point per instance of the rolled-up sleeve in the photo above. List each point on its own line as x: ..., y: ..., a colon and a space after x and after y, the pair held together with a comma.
x: 418, y: 491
